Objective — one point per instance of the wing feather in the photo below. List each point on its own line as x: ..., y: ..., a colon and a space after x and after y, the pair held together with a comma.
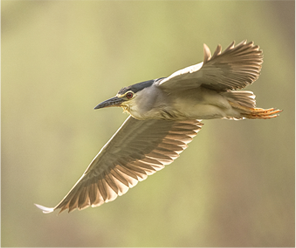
x: 117, y: 167
x: 234, y: 68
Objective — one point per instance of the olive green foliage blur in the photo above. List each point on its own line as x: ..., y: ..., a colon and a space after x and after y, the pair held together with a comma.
x: 233, y: 186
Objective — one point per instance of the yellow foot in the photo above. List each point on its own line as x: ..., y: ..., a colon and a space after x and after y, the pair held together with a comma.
x: 259, y: 113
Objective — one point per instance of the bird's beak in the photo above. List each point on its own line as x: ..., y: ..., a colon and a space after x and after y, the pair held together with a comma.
x: 112, y: 102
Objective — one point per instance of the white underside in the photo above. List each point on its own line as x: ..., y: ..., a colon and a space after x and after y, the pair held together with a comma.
x: 199, y: 103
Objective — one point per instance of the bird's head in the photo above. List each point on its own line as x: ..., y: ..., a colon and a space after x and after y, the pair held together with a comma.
x: 126, y: 97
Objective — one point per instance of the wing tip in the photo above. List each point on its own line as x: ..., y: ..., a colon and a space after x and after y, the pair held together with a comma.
x: 45, y: 210
x: 207, y: 53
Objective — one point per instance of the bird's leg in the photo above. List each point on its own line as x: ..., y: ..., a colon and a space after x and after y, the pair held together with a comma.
x: 259, y: 113
x: 256, y: 113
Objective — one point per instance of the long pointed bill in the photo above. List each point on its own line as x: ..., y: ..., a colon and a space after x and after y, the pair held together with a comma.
x: 112, y: 102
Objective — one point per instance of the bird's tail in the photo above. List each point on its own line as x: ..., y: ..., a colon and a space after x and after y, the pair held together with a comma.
x: 244, y: 102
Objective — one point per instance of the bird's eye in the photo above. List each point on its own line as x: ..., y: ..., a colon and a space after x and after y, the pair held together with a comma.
x: 129, y: 95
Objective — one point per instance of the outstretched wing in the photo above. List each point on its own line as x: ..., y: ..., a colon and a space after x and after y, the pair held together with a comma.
x: 235, y: 68
x: 139, y: 148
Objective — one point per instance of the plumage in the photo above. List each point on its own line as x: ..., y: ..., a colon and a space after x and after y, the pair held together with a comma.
x: 235, y: 68
x: 164, y: 118
x: 95, y: 188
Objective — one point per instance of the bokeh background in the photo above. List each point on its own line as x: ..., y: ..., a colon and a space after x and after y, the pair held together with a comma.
x: 233, y: 186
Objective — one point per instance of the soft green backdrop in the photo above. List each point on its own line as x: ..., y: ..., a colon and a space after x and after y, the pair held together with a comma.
x: 233, y: 186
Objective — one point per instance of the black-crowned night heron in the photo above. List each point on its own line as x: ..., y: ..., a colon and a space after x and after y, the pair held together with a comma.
x: 165, y: 115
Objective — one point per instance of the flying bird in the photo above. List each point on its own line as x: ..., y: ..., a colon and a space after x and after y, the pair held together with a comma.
x: 164, y: 116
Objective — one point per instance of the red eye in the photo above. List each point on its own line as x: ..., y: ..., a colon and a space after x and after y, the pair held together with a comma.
x: 129, y: 95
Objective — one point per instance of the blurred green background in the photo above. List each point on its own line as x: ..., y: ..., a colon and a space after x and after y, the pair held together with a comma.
x: 233, y: 186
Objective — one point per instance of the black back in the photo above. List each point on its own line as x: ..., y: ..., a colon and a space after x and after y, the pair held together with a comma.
x: 138, y: 86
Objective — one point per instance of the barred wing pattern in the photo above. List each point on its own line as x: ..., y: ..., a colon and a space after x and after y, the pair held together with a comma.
x: 234, y: 68
x: 139, y: 148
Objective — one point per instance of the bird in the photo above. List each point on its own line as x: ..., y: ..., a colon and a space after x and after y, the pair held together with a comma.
x: 165, y: 114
